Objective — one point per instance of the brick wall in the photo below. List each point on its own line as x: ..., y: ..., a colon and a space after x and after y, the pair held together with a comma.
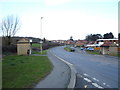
x: 23, y: 48
x: 113, y: 50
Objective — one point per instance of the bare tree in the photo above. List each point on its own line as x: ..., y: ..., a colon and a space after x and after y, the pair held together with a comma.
x: 9, y: 26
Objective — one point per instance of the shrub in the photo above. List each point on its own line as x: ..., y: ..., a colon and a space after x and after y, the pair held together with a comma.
x: 49, y: 45
x: 45, y: 46
x: 9, y: 49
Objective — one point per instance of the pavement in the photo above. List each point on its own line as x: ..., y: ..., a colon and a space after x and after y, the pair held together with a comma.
x: 62, y: 75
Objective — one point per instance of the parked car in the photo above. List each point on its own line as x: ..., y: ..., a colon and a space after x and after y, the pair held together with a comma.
x: 81, y: 48
x: 90, y: 49
x: 72, y: 49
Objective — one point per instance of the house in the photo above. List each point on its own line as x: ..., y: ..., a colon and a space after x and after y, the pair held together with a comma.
x: 59, y: 41
x: 102, y: 41
x: 70, y: 43
x: 107, y: 46
x: 80, y: 43
x: 91, y: 44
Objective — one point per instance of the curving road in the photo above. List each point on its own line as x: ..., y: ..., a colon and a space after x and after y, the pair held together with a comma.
x: 92, y: 70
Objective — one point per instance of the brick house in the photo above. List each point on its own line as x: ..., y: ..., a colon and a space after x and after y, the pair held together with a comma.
x: 80, y: 43
x: 107, y: 46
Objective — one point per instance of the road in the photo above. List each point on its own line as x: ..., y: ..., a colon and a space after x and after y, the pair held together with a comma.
x: 93, y: 71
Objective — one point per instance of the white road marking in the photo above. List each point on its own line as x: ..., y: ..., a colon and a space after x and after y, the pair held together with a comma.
x: 108, y: 85
x: 81, y: 76
x: 95, y: 79
x: 85, y: 86
x: 96, y: 85
x: 85, y: 74
x: 88, y: 80
x: 104, y: 83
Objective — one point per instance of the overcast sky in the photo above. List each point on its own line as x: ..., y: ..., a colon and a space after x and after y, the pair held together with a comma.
x: 63, y: 18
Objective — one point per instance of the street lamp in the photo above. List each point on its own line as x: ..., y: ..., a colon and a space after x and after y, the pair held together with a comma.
x: 41, y: 36
x: 30, y: 45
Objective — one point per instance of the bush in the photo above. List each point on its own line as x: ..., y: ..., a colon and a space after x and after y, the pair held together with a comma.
x: 49, y: 45
x: 9, y: 49
x: 69, y: 49
x: 45, y: 46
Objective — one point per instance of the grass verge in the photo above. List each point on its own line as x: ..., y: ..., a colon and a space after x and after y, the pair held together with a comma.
x: 67, y: 49
x: 36, y: 45
x: 24, y: 71
x: 115, y: 55
x: 98, y: 53
x: 44, y: 52
x: 93, y: 52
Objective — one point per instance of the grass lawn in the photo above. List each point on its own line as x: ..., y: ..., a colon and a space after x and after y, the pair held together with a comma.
x: 93, y: 52
x: 24, y: 71
x: 36, y: 45
x: 98, y: 53
x: 67, y: 49
x: 115, y: 55
x: 44, y: 52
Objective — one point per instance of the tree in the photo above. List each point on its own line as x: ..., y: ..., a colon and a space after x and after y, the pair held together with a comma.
x: 96, y: 36
x: 9, y: 26
x: 71, y: 38
x: 93, y: 37
x: 89, y: 37
x: 44, y: 40
x: 108, y: 36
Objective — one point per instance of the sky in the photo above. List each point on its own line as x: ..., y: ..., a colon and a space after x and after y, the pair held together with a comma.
x: 62, y: 18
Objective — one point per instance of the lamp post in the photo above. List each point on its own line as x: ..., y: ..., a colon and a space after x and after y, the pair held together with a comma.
x: 30, y: 45
x: 41, y: 36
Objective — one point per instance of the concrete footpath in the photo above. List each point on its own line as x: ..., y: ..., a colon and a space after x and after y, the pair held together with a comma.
x: 59, y: 77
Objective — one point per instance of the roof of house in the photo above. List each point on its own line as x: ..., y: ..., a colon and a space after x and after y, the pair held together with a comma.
x: 106, y: 39
x: 24, y: 40
x: 107, y: 44
x: 69, y: 42
x: 91, y: 42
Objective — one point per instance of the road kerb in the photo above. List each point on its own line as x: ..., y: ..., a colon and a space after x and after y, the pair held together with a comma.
x: 73, y: 73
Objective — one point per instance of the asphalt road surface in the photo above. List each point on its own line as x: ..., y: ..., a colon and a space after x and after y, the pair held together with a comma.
x: 93, y: 71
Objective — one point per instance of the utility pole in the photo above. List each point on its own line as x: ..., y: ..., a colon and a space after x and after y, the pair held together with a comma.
x: 41, y: 36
